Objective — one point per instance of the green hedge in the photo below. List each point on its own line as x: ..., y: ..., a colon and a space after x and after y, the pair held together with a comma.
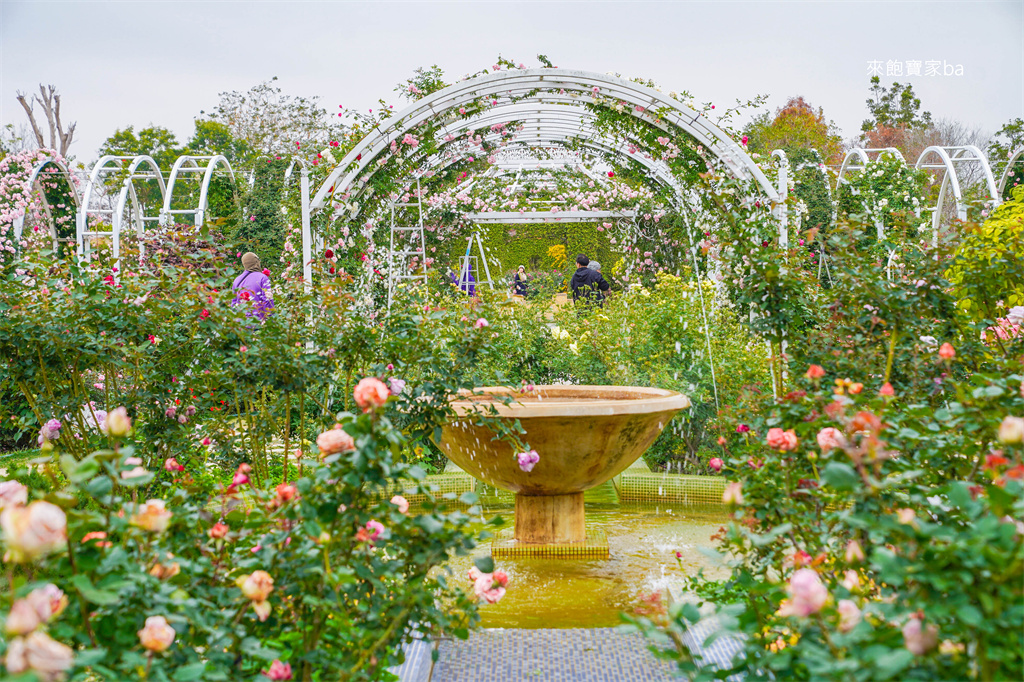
x: 515, y: 245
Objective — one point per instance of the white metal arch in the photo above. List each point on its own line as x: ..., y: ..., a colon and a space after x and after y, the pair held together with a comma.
x: 781, y: 210
x: 307, y: 255
x: 861, y: 155
x: 33, y: 178
x: 91, y: 194
x: 948, y: 158
x: 128, y: 192
x: 504, y: 87
x: 1014, y: 158
x: 190, y: 164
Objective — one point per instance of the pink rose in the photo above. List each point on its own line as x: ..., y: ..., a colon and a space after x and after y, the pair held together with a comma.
x: 854, y: 553
x: 335, y: 440
x: 401, y: 503
x: 716, y: 463
x: 849, y: 615
x: 157, y: 635
x: 807, y: 594
x: 33, y: 531
x: 171, y: 464
x: 278, y: 671
x: 527, y: 460
x: 481, y: 323
x: 782, y: 440
x: 48, y: 659
x: 733, y: 493
x: 830, y: 438
x: 918, y: 639
x: 12, y: 493
x: 374, y: 529
x: 370, y: 393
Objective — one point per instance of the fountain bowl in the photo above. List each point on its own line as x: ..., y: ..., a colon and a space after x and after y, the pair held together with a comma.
x: 585, y: 436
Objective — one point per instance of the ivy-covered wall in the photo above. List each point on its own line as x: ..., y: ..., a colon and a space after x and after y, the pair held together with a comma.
x: 515, y: 245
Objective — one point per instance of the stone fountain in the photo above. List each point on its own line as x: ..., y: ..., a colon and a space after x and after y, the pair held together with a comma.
x: 585, y: 436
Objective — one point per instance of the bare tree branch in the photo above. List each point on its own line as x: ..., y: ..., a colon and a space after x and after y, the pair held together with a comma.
x: 60, y: 140
x: 31, y: 119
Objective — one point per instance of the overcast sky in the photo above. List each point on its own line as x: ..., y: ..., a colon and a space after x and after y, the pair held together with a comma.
x: 141, y: 62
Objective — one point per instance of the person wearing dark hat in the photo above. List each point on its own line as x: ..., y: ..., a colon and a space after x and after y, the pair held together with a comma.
x: 588, y: 286
x: 253, y: 287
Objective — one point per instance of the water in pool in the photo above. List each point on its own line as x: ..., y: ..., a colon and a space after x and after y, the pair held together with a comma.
x: 569, y: 593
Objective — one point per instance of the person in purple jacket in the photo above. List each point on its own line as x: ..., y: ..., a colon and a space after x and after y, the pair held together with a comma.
x: 253, y: 287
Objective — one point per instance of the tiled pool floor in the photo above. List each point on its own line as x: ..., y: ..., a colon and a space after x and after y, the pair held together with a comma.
x: 564, y: 655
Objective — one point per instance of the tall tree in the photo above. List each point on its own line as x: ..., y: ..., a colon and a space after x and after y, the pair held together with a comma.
x: 49, y: 100
x: 155, y: 141
x: 795, y: 125
x: 213, y: 137
x: 895, y: 107
x: 272, y: 124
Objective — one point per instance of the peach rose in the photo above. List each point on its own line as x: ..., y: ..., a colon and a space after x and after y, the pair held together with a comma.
x: 256, y: 586
x: 830, y: 438
x: 918, y: 639
x: 117, y: 423
x: 48, y: 659
x: 782, y: 440
x: 33, y: 531
x: 733, y: 493
x: 157, y: 635
x: 152, y: 516
x: 849, y: 615
x: 218, y: 531
x: 262, y: 609
x: 401, y: 503
x: 371, y: 393
x: 12, y: 493
x: 335, y: 440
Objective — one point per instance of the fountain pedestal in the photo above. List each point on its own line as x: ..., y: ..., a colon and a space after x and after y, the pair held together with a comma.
x: 550, y: 519
x: 585, y: 435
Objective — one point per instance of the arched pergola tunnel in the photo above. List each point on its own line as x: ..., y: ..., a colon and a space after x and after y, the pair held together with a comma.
x: 552, y: 107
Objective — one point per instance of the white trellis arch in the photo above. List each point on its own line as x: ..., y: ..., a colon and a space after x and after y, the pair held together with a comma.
x: 948, y: 157
x: 33, y: 178
x: 857, y: 159
x: 191, y: 164
x: 141, y: 167
x: 1014, y: 159
x: 533, y: 86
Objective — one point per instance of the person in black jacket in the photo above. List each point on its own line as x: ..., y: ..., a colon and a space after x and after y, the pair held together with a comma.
x: 587, y: 285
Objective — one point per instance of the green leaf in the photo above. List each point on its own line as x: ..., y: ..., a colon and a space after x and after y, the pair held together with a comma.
x: 469, y: 498
x: 89, y: 657
x: 186, y: 673
x: 91, y: 593
x: 840, y: 476
x: 893, y: 663
x: 485, y: 564
x: 79, y: 472
x: 691, y: 612
x: 959, y: 495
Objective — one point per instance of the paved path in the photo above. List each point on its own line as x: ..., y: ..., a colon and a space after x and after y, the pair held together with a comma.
x: 571, y: 655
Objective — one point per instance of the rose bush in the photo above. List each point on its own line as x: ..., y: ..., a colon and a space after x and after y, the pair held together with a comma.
x: 322, y: 577
x: 877, y: 529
